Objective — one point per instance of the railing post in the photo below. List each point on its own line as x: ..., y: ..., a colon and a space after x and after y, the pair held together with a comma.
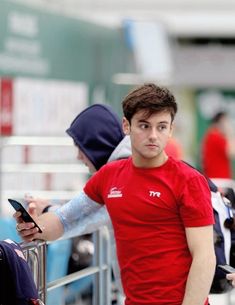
x: 109, y: 269
x: 42, y: 273
x: 102, y: 285
x: 96, y: 291
x: 35, y: 253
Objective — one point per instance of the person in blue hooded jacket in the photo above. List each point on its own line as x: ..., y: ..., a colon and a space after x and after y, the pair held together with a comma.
x: 97, y: 134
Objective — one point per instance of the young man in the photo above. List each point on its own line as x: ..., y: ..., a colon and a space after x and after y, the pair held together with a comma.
x: 160, y: 210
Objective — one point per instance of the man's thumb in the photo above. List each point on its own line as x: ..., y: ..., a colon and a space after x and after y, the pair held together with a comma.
x: 32, y: 209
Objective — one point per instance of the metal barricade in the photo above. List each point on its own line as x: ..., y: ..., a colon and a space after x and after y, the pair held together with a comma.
x: 35, y: 253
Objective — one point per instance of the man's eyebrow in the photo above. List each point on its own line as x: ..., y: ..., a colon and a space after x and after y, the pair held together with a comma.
x: 164, y: 122
x: 145, y: 121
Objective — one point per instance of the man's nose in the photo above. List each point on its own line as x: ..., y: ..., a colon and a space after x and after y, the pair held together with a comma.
x: 153, y: 134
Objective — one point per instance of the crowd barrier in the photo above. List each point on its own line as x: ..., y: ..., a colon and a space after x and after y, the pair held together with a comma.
x: 36, y: 255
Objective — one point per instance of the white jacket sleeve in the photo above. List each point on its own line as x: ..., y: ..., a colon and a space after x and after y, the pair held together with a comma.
x: 221, y: 209
x: 81, y: 215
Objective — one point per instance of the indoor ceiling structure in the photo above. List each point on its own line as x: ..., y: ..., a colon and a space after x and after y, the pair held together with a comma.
x: 181, y: 17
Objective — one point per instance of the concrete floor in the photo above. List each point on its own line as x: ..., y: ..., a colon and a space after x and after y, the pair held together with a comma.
x: 227, y: 298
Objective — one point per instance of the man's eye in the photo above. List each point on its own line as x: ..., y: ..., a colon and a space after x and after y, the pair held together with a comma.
x: 162, y: 127
x: 143, y: 126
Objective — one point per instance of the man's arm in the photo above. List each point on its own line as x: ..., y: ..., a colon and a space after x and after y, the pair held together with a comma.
x: 50, y: 224
x: 89, y: 223
x: 201, y: 246
x: 65, y: 219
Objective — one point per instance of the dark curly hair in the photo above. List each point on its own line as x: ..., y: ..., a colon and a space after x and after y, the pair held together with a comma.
x: 151, y: 98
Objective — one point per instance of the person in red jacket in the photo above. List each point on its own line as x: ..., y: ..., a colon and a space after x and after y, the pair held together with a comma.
x: 218, y: 147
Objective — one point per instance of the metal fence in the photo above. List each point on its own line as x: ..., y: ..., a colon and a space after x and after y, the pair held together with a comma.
x: 36, y: 255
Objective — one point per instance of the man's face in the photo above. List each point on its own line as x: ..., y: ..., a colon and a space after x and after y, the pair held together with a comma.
x: 149, y: 137
x: 82, y: 157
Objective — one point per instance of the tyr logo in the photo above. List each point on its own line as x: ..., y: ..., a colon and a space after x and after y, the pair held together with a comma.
x: 154, y: 194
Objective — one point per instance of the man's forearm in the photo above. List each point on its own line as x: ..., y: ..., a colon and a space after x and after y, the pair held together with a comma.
x: 199, y: 280
x: 64, y: 219
x: 89, y: 224
x: 51, y: 226
x: 74, y: 211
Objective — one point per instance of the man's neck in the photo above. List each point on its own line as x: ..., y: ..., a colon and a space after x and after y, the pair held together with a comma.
x: 150, y: 163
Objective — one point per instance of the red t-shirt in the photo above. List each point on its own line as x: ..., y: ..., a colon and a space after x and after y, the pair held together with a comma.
x: 215, y: 160
x: 150, y: 209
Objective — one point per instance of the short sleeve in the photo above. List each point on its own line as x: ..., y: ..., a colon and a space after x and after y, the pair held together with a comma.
x: 195, y: 204
x: 94, y: 186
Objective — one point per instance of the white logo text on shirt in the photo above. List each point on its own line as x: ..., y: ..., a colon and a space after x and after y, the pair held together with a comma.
x: 154, y: 194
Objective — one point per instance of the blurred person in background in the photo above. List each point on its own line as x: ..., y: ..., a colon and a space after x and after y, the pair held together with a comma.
x: 218, y: 148
x: 161, y: 261
x: 174, y: 149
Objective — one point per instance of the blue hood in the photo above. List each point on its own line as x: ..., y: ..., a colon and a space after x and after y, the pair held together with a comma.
x: 97, y: 131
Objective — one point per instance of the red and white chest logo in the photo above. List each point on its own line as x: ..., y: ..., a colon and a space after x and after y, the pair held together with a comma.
x: 154, y: 194
x: 114, y: 192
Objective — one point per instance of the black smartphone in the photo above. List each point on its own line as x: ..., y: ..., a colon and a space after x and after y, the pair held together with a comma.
x: 227, y: 268
x: 24, y: 214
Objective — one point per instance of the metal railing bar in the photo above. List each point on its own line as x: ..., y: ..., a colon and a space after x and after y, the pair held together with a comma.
x: 66, y: 195
x: 73, y: 277
x: 37, y: 141
x: 36, y: 252
x: 44, y: 168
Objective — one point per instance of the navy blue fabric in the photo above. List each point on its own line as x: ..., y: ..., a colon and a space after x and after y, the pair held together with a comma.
x: 97, y: 131
x: 16, y: 279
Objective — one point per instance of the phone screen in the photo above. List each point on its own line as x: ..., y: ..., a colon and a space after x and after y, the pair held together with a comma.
x: 24, y: 214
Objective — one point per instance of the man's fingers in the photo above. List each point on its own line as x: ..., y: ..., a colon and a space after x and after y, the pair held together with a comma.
x: 17, y: 216
x: 32, y: 209
x: 27, y: 231
x: 231, y: 277
x: 28, y: 198
x: 26, y: 227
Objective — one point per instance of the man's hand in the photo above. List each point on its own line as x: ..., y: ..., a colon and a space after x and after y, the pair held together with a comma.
x: 27, y: 230
x: 231, y: 277
x: 50, y: 224
x: 39, y: 203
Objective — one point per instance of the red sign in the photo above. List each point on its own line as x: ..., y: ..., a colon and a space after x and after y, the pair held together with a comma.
x: 6, y: 106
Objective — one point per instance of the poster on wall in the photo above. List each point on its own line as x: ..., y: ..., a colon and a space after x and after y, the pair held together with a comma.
x: 6, y: 106
x: 150, y: 43
x: 38, y: 44
x: 46, y: 107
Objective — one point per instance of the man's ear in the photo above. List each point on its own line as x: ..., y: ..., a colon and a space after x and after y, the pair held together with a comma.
x: 171, y: 130
x: 126, y: 126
